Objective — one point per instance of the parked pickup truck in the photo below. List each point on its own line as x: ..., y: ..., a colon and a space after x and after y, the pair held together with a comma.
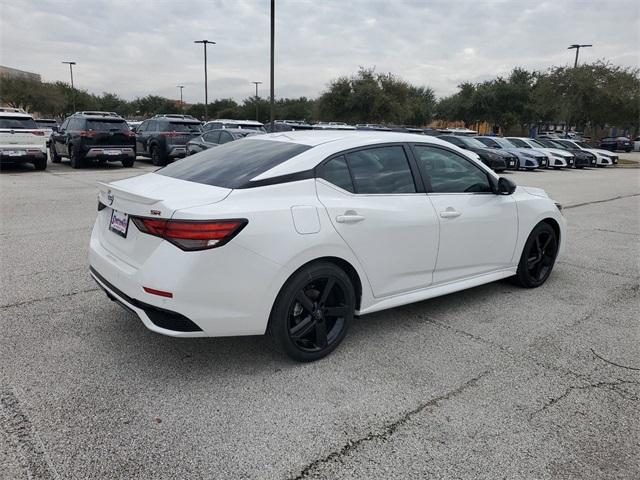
x: 21, y: 141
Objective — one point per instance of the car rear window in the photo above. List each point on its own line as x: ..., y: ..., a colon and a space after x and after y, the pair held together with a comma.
x: 17, y: 122
x: 233, y: 164
x: 106, y: 125
x: 182, y: 127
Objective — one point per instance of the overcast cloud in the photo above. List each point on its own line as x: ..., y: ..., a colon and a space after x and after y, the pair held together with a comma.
x: 136, y: 48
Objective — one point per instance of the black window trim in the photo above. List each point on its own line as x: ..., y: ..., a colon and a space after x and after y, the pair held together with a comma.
x: 318, y: 171
x: 490, y: 178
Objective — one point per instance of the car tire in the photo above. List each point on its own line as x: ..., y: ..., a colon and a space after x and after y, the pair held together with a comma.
x: 312, y: 312
x: 157, y: 157
x: 55, y: 158
x: 75, y: 157
x: 40, y: 164
x: 128, y: 162
x: 538, y: 257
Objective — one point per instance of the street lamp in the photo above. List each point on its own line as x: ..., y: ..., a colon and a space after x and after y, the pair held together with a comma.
x: 73, y: 92
x: 577, y: 47
x: 257, y: 98
x: 206, y: 93
x: 181, y: 102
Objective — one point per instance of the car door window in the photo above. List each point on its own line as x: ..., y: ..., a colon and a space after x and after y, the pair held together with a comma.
x: 64, y: 125
x: 381, y: 170
x: 448, y: 172
x: 336, y: 171
x: 225, y: 137
x: 142, y: 127
x: 212, y: 137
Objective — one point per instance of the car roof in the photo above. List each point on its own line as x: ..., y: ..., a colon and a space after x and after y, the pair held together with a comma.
x: 244, y: 131
x: 15, y: 115
x: 238, y: 122
x: 325, y: 143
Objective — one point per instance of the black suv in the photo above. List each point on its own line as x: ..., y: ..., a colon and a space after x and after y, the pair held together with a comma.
x: 89, y: 136
x: 616, y: 143
x: 164, y: 138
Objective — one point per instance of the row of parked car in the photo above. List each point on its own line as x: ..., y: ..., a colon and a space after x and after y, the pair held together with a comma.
x: 92, y: 136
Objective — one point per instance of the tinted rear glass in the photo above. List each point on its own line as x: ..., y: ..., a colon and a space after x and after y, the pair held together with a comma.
x: 233, y: 164
x: 181, y: 127
x: 17, y: 122
x: 106, y: 125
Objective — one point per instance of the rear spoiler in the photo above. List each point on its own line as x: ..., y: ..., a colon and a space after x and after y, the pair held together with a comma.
x: 106, y: 188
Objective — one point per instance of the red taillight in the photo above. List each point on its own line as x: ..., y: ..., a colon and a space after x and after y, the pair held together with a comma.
x: 38, y: 133
x: 191, y: 234
x: 88, y: 133
x: 160, y: 293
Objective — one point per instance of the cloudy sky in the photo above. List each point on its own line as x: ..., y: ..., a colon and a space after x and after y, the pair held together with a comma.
x: 135, y: 48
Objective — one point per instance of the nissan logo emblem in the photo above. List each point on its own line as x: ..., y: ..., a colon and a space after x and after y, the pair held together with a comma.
x: 110, y: 197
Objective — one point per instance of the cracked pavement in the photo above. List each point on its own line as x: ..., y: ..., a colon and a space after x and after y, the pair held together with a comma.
x: 492, y: 382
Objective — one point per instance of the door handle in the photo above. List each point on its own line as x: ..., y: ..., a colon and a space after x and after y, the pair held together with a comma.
x: 450, y: 213
x: 349, y: 217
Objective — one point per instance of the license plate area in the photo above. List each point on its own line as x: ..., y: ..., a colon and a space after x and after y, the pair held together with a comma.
x: 112, y: 152
x: 15, y: 153
x: 119, y: 223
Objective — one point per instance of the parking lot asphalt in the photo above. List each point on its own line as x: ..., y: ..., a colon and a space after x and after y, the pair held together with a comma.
x: 492, y: 382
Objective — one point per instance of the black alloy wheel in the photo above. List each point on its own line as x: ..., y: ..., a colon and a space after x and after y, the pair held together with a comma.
x: 313, y: 311
x: 538, y: 256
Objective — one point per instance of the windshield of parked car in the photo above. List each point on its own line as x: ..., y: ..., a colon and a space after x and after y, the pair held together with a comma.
x: 555, y: 144
x: 503, y: 142
x: 46, y: 123
x: 536, y: 143
x: 472, y: 142
x: 17, y: 122
x: 233, y: 164
x: 519, y: 143
x: 583, y: 145
x: 106, y: 125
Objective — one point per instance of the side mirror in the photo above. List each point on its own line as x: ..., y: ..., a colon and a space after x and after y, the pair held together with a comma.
x: 505, y: 186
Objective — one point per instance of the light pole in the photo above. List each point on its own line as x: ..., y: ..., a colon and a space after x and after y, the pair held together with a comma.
x: 206, y: 93
x: 257, y: 98
x: 273, y: 31
x: 73, y: 91
x: 577, y: 47
x: 181, y: 102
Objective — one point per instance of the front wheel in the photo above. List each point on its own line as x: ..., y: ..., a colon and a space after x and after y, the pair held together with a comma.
x: 55, y: 158
x: 312, y: 312
x: 538, y: 256
x: 157, y: 157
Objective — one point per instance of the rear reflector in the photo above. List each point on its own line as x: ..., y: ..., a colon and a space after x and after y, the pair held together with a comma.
x: 38, y: 133
x: 160, y: 293
x: 191, y: 234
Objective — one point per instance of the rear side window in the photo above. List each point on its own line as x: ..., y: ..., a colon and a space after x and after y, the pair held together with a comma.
x: 336, y: 171
x: 212, y: 137
x: 181, y: 127
x: 17, y: 122
x: 381, y: 170
x: 233, y: 164
x: 107, y: 125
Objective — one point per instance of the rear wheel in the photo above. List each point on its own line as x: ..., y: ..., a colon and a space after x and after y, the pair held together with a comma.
x: 55, y: 158
x: 75, y: 157
x: 41, y: 163
x: 128, y: 163
x: 157, y: 157
x: 538, y: 257
x: 312, y: 312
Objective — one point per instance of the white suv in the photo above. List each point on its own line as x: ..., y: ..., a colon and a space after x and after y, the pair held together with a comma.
x: 21, y: 141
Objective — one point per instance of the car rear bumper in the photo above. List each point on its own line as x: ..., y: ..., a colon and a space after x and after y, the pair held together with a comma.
x: 210, y: 295
x: 21, y: 154
x: 110, y: 153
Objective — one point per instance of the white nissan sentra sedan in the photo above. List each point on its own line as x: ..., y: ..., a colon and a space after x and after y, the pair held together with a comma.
x: 294, y: 233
